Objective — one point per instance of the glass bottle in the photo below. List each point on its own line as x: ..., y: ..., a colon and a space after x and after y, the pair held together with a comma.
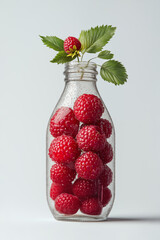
x: 80, y: 78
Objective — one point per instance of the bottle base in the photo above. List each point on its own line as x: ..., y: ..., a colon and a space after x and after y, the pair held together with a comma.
x: 79, y: 218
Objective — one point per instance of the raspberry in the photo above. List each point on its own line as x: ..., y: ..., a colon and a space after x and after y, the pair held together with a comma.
x: 91, y: 206
x: 56, y: 189
x: 89, y: 166
x: 106, y: 196
x: 62, y: 174
x: 64, y: 122
x: 106, y: 176
x: 88, y: 108
x: 89, y: 139
x: 64, y: 149
x: 105, y: 127
x: 106, y: 155
x: 83, y: 188
x: 71, y: 44
x: 67, y: 203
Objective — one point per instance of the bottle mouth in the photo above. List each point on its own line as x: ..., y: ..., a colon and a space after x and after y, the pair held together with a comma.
x: 80, y: 71
x: 81, y: 63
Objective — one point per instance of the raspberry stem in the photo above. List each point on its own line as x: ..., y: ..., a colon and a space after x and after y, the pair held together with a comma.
x: 77, y: 58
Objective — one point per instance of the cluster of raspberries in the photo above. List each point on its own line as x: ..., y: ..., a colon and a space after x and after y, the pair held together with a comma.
x: 80, y: 149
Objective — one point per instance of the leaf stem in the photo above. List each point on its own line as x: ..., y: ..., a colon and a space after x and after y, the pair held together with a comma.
x: 91, y: 59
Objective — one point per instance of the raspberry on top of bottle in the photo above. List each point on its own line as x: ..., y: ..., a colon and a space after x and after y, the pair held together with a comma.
x: 72, y: 46
x: 92, y: 41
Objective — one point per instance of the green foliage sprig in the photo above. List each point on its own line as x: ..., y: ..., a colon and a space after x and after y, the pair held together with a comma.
x: 92, y: 41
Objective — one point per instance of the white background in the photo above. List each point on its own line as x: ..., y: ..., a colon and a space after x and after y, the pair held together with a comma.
x: 29, y: 89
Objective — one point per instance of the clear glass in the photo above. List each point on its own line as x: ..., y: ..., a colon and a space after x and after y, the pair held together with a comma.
x: 80, y: 78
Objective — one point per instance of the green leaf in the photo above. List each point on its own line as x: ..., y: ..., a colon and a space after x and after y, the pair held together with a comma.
x: 62, y: 57
x: 113, y: 71
x: 105, y: 55
x: 53, y: 42
x: 95, y: 39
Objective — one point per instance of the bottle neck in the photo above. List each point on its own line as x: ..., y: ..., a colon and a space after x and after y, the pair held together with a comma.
x: 81, y: 72
x: 80, y: 78
x: 74, y: 88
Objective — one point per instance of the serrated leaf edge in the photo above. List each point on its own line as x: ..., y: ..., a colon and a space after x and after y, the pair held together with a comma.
x: 120, y: 81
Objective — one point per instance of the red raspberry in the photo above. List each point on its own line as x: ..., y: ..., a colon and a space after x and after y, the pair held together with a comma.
x: 71, y: 44
x: 64, y: 149
x: 64, y: 122
x: 89, y: 139
x: 83, y: 188
x: 106, y: 196
x: 56, y: 189
x: 62, y: 174
x: 67, y: 203
x: 91, y: 206
x: 89, y: 166
x: 88, y: 108
x: 106, y: 176
x: 106, y: 154
x: 105, y: 127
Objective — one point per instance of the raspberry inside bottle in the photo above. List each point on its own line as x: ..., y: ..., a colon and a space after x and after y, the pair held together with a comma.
x: 80, y: 150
